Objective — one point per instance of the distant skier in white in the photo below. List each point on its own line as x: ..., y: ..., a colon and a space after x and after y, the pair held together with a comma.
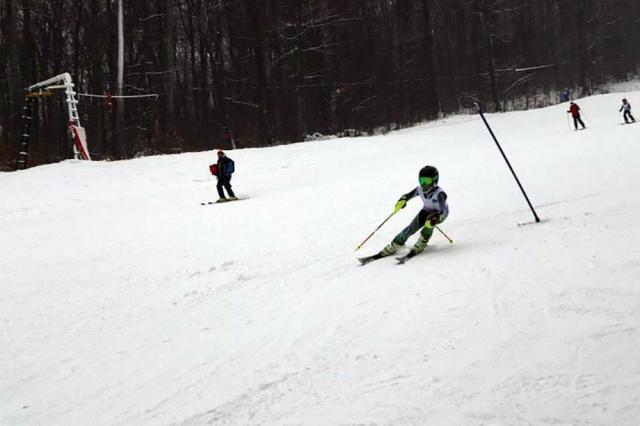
x: 626, y: 107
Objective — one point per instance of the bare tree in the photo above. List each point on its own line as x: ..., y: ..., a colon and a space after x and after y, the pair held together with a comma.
x: 120, y: 130
x: 255, y: 72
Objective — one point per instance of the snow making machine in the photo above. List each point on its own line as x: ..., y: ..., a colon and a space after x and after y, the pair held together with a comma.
x: 76, y: 131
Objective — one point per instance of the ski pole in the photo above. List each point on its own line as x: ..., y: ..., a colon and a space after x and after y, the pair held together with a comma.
x: 584, y: 115
x: 376, y: 230
x: 445, y: 235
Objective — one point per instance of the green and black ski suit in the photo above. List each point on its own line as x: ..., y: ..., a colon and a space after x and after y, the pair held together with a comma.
x: 434, y: 211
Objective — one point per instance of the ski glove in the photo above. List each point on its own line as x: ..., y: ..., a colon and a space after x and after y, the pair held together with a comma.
x: 432, y: 220
x: 402, y: 202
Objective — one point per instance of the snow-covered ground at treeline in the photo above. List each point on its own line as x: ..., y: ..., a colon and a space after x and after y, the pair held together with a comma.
x: 125, y: 301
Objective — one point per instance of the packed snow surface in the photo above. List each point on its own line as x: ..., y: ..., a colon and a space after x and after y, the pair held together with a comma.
x: 125, y: 301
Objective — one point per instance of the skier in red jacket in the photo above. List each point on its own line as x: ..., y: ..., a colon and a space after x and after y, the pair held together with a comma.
x: 574, y: 110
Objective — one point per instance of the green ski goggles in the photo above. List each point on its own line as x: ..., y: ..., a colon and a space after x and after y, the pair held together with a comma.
x: 425, y: 181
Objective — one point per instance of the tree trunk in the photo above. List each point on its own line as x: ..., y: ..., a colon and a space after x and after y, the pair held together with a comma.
x: 259, y: 19
x: 170, y: 76
x: 11, y: 32
x: 433, y: 100
x: 120, y: 130
x: 487, y: 20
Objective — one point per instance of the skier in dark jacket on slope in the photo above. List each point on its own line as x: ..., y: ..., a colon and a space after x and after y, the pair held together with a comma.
x: 434, y: 211
x: 574, y: 110
x: 223, y: 170
x: 626, y: 107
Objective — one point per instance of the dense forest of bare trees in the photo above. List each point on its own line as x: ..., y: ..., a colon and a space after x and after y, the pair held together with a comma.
x: 259, y: 72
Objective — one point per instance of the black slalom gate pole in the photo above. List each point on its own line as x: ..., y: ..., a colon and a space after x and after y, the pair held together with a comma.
x: 535, y: 215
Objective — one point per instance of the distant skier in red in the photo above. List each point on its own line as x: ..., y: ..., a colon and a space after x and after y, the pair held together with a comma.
x: 574, y: 110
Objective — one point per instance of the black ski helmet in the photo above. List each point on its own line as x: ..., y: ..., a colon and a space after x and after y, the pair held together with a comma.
x: 430, y: 172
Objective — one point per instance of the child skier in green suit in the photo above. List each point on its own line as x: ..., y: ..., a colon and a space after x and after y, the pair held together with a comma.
x: 434, y: 211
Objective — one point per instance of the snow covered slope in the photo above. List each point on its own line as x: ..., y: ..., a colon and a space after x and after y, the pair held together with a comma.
x: 124, y: 301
